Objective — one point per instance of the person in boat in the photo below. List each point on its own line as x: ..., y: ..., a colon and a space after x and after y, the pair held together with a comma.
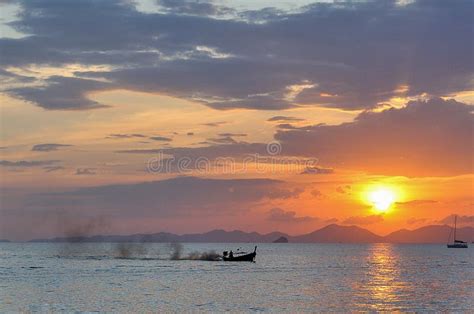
x: 231, y: 254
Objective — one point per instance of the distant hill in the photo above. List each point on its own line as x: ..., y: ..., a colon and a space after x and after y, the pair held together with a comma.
x: 429, y: 234
x: 4, y: 241
x: 338, y: 234
x: 330, y: 234
x: 281, y: 240
x: 232, y: 236
x: 215, y: 236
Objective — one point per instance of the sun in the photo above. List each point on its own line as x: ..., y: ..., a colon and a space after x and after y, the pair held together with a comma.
x: 381, y: 198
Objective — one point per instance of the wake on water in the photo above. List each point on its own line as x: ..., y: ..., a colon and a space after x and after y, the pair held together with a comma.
x: 139, y: 251
x: 177, y: 255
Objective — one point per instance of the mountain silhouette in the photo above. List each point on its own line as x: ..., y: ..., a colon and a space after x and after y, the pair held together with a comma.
x: 281, y: 240
x: 330, y: 234
x: 429, y: 234
x: 335, y: 233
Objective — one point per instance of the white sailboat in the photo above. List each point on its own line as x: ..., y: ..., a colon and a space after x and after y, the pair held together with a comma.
x: 456, y: 244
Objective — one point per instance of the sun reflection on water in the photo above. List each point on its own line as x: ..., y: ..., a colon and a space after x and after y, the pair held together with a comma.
x: 382, y: 288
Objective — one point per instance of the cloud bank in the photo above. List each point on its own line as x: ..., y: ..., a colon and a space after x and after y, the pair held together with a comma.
x: 350, y: 55
x: 425, y: 138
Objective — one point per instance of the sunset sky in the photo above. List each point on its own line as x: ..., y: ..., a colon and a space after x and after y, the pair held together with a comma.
x: 122, y: 117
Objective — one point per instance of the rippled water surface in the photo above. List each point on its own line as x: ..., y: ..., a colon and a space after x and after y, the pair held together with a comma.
x: 286, y: 277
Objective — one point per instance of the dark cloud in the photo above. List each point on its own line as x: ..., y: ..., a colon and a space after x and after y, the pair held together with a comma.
x: 48, y: 147
x: 317, y: 170
x: 7, y: 78
x: 62, y: 93
x: 369, y: 52
x: 27, y: 163
x: 363, y: 220
x: 232, y: 134
x: 284, y: 119
x: 252, y: 102
x: 161, y: 138
x: 53, y: 168
x: 240, y: 149
x: 85, y: 171
x: 193, y: 7
x: 416, y: 203
x: 280, y: 215
x: 118, y: 136
x: 176, y: 202
x: 287, y: 126
x: 172, y: 197
x: 222, y: 140
x: 228, y: 156
x: 264, y: 15
x: 215, y: 124
x: 425, y: 138
x: 225, y: 138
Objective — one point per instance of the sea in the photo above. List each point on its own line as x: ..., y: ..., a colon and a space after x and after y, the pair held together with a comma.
x: 160, y: 277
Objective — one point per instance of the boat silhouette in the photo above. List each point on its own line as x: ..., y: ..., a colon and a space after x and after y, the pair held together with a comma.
x: 456, y: 244
x: 239, y: 256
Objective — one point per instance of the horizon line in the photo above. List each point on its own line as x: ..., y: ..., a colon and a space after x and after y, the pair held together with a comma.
x: 224, y: 230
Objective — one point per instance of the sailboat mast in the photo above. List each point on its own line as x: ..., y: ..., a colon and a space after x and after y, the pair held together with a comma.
x: 455, y: 219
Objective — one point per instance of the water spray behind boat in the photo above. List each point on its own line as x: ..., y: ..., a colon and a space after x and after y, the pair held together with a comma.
x: 177, y: 254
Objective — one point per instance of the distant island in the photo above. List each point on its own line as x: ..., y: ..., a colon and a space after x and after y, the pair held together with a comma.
x: 281, y: 240
x: 330, y: 234
x: 4, y: 241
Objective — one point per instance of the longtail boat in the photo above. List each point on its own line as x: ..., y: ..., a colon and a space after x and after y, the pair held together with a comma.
x: 239, y: 257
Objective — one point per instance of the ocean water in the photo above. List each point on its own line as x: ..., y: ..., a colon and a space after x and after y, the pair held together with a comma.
x: 286, y: 277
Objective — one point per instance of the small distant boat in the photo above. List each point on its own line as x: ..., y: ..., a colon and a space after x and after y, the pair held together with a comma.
x: 239, y: 256
x: 456, y: 244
